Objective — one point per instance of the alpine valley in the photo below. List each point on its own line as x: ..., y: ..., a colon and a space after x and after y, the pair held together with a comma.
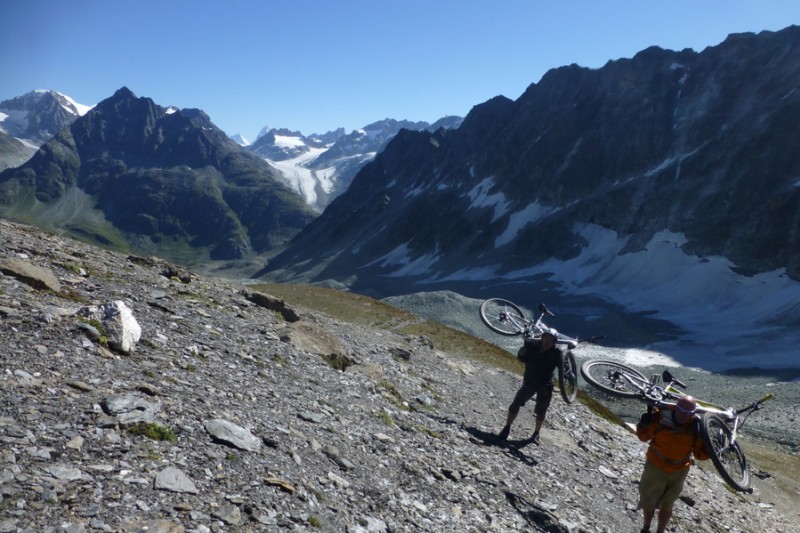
x: 654, y: 199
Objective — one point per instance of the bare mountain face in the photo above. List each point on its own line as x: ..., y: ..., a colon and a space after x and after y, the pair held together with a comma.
x: 135, y: 175
x: 321, y: 167
x: 698, y: 145
x: 30, y: 120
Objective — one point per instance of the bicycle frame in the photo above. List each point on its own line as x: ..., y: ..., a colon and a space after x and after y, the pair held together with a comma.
x: 730, y: 415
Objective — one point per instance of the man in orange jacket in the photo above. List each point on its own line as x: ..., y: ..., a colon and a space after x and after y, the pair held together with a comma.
x: 674, y: 436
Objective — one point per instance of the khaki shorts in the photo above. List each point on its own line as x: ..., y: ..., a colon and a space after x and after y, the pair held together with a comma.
x: 659, y: 489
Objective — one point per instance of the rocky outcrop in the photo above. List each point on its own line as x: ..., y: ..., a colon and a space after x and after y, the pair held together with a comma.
x: 218, y: 421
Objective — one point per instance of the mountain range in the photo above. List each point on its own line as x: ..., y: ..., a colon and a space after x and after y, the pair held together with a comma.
x: 318, y: 166
x: 666, y: 183
x: 131, y: 174
x: 321, y: 167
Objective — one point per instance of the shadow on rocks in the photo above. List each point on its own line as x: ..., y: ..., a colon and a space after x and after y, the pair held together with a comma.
x: 539, y: 518
x: 486, y: 438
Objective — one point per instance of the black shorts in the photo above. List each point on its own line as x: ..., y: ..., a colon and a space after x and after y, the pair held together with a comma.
x: 544, y: 395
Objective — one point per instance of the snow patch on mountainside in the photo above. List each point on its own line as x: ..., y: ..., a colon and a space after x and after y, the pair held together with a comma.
x: 520, y: 219
x: 81, y: 109
x: 733, y: 321
x: 480, y: 196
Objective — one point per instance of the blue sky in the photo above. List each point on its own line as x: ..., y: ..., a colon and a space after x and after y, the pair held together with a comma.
x: 314, y: 66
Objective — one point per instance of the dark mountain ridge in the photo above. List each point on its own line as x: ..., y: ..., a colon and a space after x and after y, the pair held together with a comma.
x: 698, y: 144
x: 156, y: 179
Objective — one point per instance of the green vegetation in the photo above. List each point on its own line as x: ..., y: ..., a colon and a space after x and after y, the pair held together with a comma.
x: 599, y: 409
x: 152, y: 454
x: 313, y: 521
x: 72, y: 295
x: 338, y: 361
x: 102, y: 338
x: 149, y: 343
x: 429, y: 432
x: 153, y: 431
x: 393, y: 395
x: 386, y: 417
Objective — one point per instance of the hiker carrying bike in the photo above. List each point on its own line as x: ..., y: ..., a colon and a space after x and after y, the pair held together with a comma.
x: 541, y: 357
x: 674, y: 436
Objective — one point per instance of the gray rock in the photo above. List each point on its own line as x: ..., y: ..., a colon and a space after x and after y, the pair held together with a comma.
x: 233, y: 435
x: 174, y: 480
x: 130, y: 409
x: 36, y: 276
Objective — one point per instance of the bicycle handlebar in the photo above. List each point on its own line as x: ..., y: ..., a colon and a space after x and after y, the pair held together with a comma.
x: 766, y: 398
x: 755, y: 405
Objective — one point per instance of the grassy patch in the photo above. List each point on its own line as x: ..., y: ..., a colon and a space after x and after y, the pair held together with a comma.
x: 393, y: 395
x: 429, y: 432
x: 386, y: 418
x: 345, y: 306
x: 153, y: 431
x: 453, y: 340
x: 355, y: 308
x: 358, y: 309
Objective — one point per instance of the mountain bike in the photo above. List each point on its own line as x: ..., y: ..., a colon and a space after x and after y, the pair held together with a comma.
x: 719, y: 425
x: 507, y: 318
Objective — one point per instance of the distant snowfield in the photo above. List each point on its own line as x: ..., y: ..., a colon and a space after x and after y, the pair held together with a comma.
x: 728, y: 320
x: 300, y: 178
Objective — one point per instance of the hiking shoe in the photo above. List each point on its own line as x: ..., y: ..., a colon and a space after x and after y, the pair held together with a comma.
x: 503, y: 435
x: 535, y: 439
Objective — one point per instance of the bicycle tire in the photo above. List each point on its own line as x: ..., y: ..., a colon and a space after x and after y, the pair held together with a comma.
x: 606, y: 376
x: 729, y: 460
x: 568, y: 377
x: 503, y: 317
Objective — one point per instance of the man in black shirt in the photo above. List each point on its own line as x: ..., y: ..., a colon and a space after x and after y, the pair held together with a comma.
x: 541, y: 357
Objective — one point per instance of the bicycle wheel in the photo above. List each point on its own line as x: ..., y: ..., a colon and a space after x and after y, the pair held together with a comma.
x: 728, y: 458
x: 568, y: 377
x: 503, y: 317
x: 614, y: 378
